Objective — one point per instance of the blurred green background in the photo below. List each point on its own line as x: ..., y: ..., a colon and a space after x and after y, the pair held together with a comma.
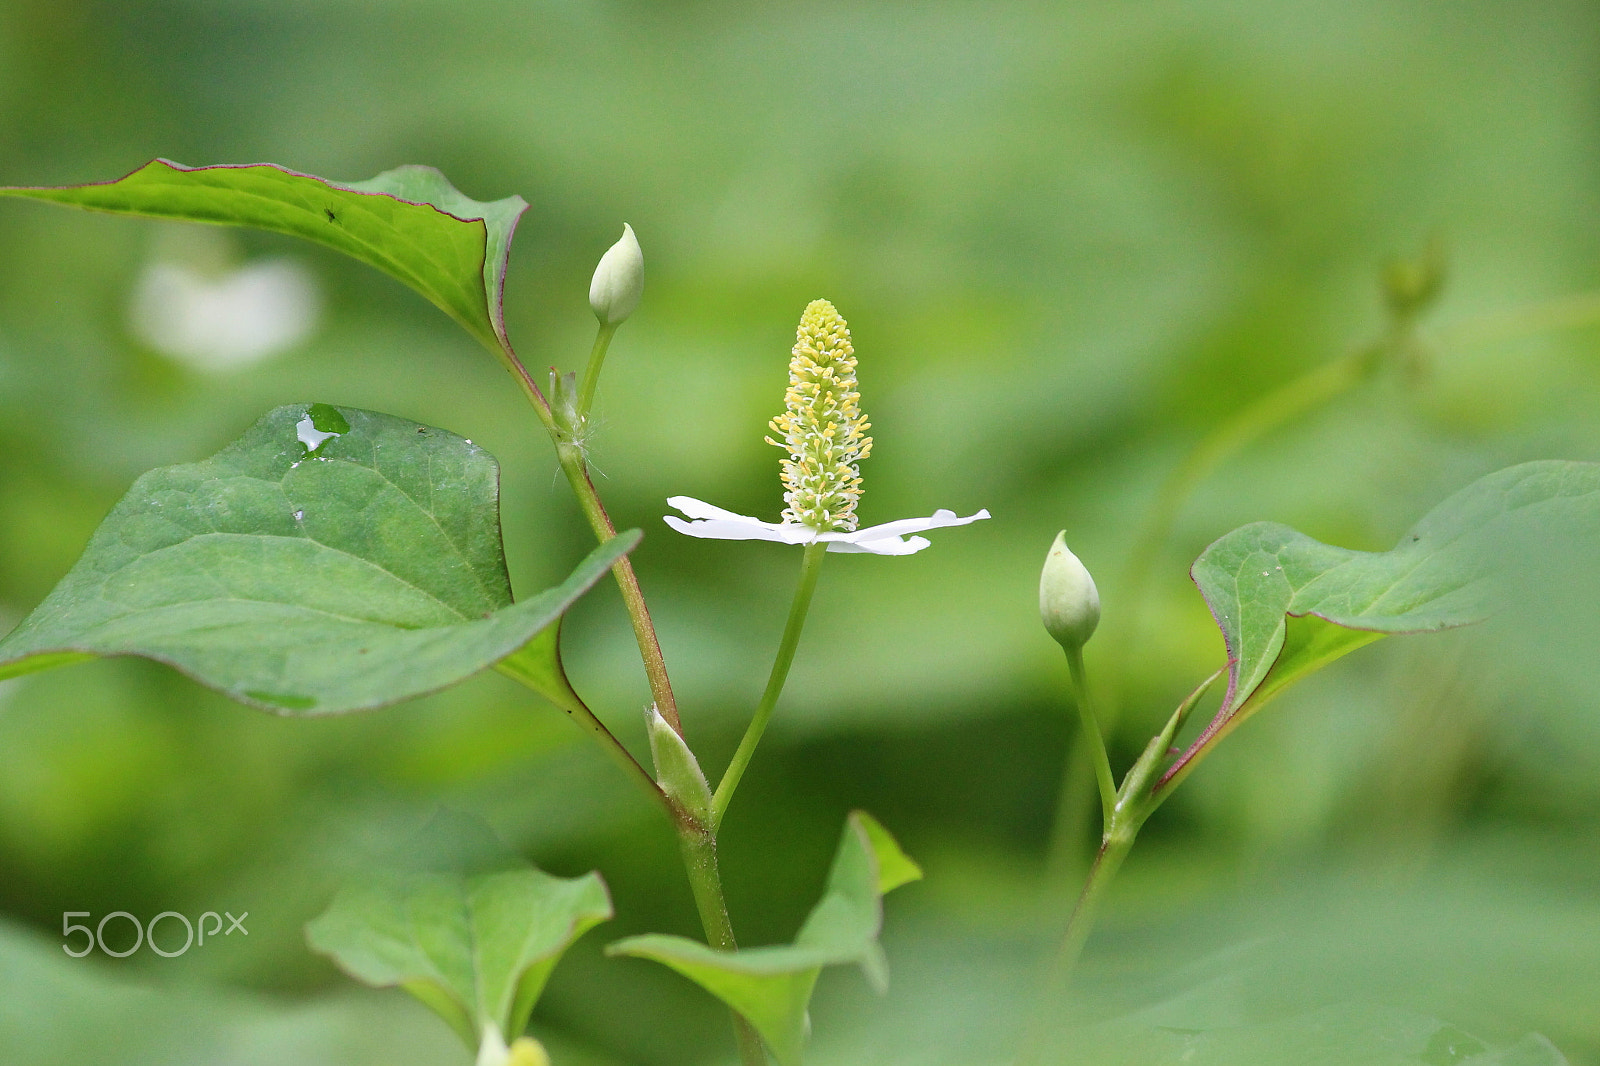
x: 1071, y: 239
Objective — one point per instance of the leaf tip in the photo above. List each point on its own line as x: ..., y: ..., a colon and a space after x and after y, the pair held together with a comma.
x: 895, y: 867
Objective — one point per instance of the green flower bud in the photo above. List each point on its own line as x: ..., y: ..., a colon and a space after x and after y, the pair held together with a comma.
x: 1069, y: 603
x: 618, y: 280
x: 677, y: 771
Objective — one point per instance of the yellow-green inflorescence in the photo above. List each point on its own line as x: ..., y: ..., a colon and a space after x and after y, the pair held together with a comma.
x: 822, y: 427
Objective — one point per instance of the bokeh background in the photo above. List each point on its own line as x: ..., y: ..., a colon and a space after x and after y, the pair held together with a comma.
x: 1072, y: 239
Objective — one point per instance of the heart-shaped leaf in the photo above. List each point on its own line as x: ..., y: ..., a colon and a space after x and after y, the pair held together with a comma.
x: 771, y: 986
x: 408, y: 222
x: 1287, y: 604
x: 330, y: 560
x: 475, y: 938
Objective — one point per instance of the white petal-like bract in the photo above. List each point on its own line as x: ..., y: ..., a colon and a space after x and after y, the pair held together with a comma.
x: 714, y: 523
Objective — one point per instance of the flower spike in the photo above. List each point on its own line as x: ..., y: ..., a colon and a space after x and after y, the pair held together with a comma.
x: 822, y: 426
x: 825, y: 434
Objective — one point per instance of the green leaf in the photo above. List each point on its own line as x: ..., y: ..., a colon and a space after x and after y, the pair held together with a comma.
x: 772, y: 986
x: 409, y: 222
x: 330, y: 560
x: 1288, y: 605
x: 538, y: 665
x: 475, y: 939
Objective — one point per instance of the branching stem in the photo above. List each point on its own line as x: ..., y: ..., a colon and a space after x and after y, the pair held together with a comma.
x: 698, y: 843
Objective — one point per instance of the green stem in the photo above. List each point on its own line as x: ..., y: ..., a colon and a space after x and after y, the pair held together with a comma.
x: 699, y: 847
x: 541, y: 405
x: 1306, y: 393
x: 591, y: 373
x: 1113, y: 850
x: 644, y: 630
x: 698, y: 843
x: 577, y: 471
x: 1041, y: 1031
x: 810, y: 567
x: 1092, y: 737
x: 1136, y: 800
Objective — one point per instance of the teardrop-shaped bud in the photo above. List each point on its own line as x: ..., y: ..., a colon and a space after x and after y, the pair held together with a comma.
x: 618, y: 280
x: 677, y: 771
x: 1069, y: 603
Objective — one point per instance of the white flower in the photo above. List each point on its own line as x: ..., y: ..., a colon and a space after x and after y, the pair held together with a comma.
x: 227, y: 321
x: 824, y: 432
x: 713, y: 523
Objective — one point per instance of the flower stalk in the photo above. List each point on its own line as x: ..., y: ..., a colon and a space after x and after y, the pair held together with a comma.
x: 1091, y: 734
x: 591, y: 373
x: 810, y: 568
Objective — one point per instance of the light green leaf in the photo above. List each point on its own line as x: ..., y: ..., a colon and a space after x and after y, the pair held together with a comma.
x: 1287, y: 604
x: 772, y: 986
x: 475, y: 941
x: 409, y: 222
x: 330, y: 560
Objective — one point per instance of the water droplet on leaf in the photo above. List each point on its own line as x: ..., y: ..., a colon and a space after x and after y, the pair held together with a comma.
x: 322, y: 423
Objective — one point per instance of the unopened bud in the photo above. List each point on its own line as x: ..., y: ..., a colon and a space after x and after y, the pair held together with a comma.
x: 618, y: 280
x: 1069, y: 603
x: 677, y: 770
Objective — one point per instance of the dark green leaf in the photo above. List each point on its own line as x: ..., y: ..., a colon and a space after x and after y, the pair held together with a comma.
x: 330, y: 560
x: 409, y: 222
x: 1288, y: 604
x: 772, y: 986
x: 476, y: 941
